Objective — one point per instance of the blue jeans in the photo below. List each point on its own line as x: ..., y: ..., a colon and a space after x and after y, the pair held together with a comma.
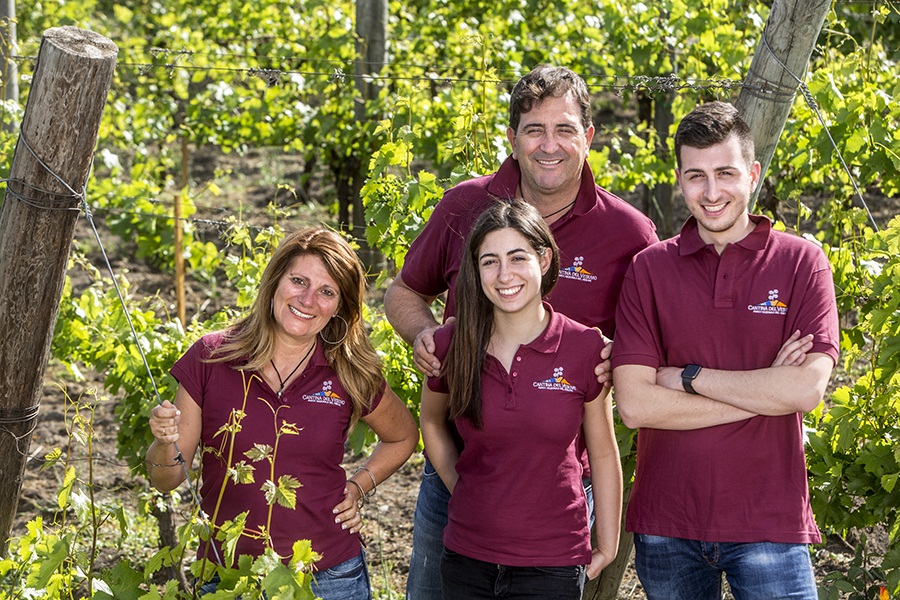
x: 347, y: 581
x: 424, y: 579
x: 674, y: 569
x: 469, y: 579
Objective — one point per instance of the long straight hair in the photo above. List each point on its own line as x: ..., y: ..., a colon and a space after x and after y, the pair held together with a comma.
x: 475, y: 312
x: 251, y: 340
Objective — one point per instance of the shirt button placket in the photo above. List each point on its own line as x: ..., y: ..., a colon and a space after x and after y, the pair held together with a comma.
x: 510, y: 390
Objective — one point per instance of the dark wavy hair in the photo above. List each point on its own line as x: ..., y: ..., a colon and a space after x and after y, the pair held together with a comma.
x: 475, y: 312
x: 547, y: 81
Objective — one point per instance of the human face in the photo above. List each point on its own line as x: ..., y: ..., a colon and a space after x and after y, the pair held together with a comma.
x: 306, y: 298
x: 511, y: 270
x: 717, y: 183
x: 551, y: 146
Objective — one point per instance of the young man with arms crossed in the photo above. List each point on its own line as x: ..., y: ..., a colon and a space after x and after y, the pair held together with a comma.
x: 550, y: 132
x: 727, y: 334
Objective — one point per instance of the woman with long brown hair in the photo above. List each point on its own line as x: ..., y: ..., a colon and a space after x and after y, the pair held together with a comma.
x: 284, y: 387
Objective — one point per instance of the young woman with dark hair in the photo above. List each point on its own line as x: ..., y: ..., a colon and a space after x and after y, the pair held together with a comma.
x: 501, y: 423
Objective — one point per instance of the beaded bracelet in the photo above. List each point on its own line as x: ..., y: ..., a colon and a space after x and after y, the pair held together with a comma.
x: 374, y: 483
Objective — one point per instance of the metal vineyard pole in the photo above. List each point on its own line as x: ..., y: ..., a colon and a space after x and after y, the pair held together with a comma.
x: 44, y: 195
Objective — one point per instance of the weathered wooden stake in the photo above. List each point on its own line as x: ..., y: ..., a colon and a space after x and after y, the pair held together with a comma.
x: 786, y: 44
x: 606, y: 586
x: 37, y: 224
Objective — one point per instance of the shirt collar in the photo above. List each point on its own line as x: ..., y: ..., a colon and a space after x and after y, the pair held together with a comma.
x: 548, y: 341
x: 505, y: 180
x: 691, y: 242
x: 318, y: 356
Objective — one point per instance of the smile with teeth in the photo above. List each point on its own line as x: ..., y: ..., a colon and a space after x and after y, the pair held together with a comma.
x: 549, y: 163
x: 714, y: 208
x: 509, y: 291
x: 300, y: 314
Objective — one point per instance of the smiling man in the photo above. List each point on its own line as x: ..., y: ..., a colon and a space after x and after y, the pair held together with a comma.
x: 550, y: 131
x: 726, y: 335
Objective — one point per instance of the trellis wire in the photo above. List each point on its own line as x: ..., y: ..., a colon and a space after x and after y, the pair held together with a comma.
x: 273, y: 76
x: 82, y: 196
x: 811, y: 101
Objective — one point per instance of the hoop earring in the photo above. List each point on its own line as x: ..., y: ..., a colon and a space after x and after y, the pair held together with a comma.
x: 346, y: 332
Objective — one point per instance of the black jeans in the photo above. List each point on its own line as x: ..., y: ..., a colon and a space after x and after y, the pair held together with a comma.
x: 464, y: 578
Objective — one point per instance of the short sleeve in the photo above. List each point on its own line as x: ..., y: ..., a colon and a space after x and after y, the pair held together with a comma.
x: 192, y: 371
x: 377, y: 399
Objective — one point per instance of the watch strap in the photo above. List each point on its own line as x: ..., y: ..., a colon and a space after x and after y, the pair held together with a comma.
x: 688, y: 374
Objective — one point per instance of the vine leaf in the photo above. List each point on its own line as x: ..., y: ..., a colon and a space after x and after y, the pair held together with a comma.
x: 283, y: 493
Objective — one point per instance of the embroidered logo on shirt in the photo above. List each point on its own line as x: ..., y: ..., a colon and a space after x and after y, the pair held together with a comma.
x: 577, y: 272
x: 326, y: 396
x: 772, y: 306
x: 557, y: 382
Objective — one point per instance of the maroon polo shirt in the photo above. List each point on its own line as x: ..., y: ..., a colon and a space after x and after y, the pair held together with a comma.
x: 318, y: 405
x: 683, y: 303
x: 519, y: 500
x: 596, y: 240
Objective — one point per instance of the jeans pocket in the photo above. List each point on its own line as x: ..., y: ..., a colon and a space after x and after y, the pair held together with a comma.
x: 654, y: 540
x: 428, y: 471
x: 348, y: 569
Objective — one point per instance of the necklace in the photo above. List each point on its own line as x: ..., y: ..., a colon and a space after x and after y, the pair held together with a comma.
x: 284, y: 381
x: 556, y: 212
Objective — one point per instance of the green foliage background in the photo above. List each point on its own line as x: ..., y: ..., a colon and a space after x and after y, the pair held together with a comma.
x: 238, y: 76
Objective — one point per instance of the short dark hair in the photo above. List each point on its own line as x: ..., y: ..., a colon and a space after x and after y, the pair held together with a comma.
x: 548, y: 81
x: 710, y: 124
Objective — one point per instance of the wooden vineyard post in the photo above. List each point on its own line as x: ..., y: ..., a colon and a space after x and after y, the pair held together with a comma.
x: 606, y: 586
x: 51, y: 163
x: 770, y: 85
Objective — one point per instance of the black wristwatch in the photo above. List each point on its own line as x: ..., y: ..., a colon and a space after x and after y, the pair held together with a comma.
x: 688, y: 375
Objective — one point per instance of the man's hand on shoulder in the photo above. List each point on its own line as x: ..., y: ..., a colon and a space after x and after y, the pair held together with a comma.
x: 423, y: 350
x: 603, y: 370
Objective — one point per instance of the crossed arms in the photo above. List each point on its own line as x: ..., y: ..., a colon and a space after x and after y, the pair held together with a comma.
x: 655, y: 398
